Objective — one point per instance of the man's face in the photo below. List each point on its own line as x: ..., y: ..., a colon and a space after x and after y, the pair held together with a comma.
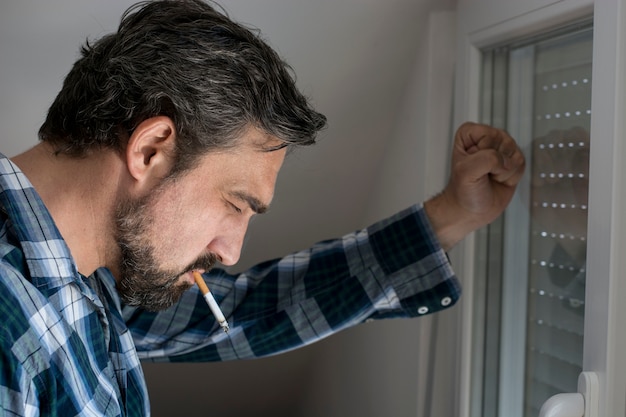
x: 193, y: 221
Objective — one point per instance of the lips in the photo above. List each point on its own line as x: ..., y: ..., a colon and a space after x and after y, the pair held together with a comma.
x: 187, y: 277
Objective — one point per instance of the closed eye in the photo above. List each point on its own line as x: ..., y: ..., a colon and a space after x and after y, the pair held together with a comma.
x: 254, y: 203
x: 234, y: 207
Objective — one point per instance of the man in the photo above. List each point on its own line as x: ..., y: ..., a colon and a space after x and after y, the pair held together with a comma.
x: 166, y: 138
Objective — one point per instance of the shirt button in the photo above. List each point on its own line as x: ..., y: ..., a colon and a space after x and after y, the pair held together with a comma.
x: 445, y: 301
x: 422, y: 310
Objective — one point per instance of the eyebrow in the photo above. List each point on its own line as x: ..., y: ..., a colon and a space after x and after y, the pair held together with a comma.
x: 255, y: 204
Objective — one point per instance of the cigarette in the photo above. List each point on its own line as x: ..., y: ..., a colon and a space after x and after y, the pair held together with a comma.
x: 215, y: 309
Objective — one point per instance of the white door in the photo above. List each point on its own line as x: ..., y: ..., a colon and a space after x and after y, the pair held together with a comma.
x: 543, y: 284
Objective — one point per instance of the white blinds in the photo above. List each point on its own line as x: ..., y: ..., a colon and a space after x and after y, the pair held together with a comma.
x: 559, y: 170
x: 533, y: 269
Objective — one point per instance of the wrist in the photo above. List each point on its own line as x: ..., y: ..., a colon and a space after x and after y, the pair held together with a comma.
x: 449, y: 222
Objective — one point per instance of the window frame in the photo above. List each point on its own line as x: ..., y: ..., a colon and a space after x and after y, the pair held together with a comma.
x: 483, y: 23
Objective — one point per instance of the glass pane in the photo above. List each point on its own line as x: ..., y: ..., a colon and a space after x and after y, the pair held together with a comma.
x: 531, y: 264
x: 559, y: 172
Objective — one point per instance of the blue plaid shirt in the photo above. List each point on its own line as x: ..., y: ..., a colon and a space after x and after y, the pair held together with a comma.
x: 68, y: 347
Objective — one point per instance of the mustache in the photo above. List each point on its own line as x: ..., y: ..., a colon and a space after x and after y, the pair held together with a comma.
x: 206, y: 262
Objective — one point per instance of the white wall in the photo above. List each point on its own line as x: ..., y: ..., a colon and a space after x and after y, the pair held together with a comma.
x: 407, y: 367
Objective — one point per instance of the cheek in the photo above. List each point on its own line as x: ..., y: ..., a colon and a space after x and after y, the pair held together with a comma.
x: 191, y: 228
x: 174, y: 231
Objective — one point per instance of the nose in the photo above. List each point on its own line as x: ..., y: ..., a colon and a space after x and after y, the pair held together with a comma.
x: 228, y: 244
x: 229, y: 256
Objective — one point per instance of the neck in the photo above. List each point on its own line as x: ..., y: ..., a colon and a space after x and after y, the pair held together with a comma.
x: 80, y: 194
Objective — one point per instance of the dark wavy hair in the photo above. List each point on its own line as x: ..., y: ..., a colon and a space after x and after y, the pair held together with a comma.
x: 182, y: 59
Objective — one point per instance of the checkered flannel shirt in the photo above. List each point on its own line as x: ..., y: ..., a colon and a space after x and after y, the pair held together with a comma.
x: 68, y: 346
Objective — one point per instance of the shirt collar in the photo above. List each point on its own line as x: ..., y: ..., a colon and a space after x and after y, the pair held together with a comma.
x: 49, y: 261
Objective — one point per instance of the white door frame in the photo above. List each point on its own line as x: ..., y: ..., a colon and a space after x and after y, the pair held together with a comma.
x: 484, y: 23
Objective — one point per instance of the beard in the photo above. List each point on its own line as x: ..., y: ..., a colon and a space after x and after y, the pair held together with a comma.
x: 142, y: 282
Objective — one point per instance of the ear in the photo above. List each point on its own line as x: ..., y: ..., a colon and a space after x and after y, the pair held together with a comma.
x: 150, y: 150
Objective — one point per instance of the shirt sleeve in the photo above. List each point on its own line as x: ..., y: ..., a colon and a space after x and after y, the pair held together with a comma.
x: 394, y: 268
